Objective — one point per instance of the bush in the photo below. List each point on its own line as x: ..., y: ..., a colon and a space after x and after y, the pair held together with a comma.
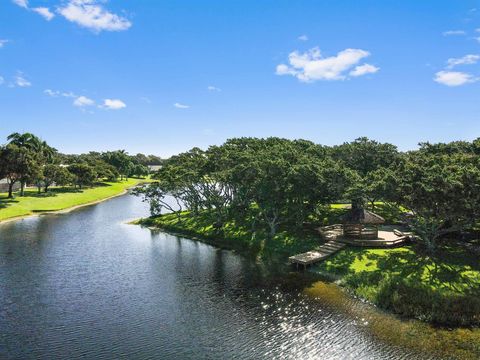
x: 424, y: 303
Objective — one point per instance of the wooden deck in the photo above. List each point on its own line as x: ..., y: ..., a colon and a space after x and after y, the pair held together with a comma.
x: 333, y: 234
x: 377, y: 243
x: 387, y: 237
x: 321, y: 253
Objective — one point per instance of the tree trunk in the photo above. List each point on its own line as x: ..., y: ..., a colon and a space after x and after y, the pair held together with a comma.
x: 273, y: 229
x: 252, y: 228
x: 10, y: 190
x: 22, y: 188
x: 272, y: 223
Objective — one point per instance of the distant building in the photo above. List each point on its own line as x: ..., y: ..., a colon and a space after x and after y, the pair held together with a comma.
x: 154, y: 168
x: 4, y: 185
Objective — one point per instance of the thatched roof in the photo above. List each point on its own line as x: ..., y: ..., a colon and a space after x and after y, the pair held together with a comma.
x: 362, y: 216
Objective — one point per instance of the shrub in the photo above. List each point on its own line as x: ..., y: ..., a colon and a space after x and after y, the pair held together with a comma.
x: 422, y: 302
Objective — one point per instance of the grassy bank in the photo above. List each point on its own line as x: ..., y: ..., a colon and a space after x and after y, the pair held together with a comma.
x: 235, y: 237
x: 443, y: 288
x: 60, y: 198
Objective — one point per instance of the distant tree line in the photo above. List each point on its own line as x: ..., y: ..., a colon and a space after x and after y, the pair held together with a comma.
x: 28, y: 160
x: 272, y: 182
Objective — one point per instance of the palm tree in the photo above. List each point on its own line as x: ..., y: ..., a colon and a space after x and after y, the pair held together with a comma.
x: 25, y: 140
x: 33, y: 143
x: 48, y: 152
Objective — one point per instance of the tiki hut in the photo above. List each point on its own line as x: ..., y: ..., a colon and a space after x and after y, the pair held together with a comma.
x: 359, y: 223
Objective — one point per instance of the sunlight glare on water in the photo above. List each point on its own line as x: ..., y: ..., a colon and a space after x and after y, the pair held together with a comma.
x: 87, y: 285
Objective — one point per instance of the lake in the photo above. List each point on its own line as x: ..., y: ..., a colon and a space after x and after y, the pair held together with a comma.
x: 86, y: 284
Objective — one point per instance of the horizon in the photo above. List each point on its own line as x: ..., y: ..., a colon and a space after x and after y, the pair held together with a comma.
x: 164, y: 78
x: 100, y: 150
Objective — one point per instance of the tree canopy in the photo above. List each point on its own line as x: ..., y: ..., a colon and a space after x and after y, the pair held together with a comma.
x: 273, y: 182
x: 28, y: 160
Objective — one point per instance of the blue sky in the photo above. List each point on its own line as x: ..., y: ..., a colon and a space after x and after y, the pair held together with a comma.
x: 163, y: 76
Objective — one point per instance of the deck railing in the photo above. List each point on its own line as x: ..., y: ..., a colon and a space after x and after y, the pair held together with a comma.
x: 360, y: 231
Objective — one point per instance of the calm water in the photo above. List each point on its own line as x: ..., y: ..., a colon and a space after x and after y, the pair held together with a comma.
x: 87, y: 285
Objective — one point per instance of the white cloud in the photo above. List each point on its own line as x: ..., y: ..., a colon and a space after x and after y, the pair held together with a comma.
x: 82, y: 101
x: 56, y: 93
x: 311, y: 66
x: 2, y: 80
x: 92, y: 15
x: 283, y: 69
x: 303, y: 37
x: 453, y: 78
x: 113, y: 104
x: 21, y: 3
x: 364, y: 69
x: 181, y: 106
x: 213, y: 88
x: 3, y: 42
x: 465, y: 60
x: 51, y: 93
x: 45, y: 12
x: 21, y: 81
x: 454, y: 33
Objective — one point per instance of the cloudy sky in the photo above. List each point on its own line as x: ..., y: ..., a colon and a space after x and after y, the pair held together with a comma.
x: 161, y: 77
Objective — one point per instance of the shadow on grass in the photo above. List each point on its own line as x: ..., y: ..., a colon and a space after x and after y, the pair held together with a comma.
x: 5, y: 202
x: 101, y: 184
x: 451, y: 270
x: 443, y: 289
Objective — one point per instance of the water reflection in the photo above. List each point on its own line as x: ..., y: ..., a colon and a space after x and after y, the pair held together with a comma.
x: 87, y: 285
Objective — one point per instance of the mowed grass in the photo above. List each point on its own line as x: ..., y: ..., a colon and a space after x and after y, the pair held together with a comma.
x: 443, y: 288
x: 59, y: 198
x: 451, y: 269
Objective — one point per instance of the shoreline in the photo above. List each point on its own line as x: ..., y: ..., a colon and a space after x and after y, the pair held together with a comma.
x: 388, y: 326
x: 369, y: 274
x: 68, y: 209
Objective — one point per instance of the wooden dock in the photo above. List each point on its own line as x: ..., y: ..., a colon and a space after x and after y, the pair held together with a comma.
x: 311, y: 257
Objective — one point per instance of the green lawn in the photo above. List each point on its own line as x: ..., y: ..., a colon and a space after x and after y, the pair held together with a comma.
x: 441, y: 288
x: 59, y: 198
x: 451, y: 269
